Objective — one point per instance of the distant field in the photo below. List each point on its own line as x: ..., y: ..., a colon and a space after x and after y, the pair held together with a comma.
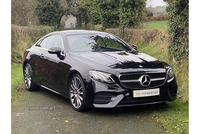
x: 155, y: 24
x: 157, y: 10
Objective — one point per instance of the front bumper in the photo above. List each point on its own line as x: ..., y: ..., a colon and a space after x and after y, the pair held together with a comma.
x: 110, y: 96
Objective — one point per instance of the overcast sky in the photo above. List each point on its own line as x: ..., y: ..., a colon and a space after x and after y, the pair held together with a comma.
x: 155, y: 3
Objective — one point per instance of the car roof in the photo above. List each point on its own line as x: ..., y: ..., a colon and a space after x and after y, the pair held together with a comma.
x: 74, y: 32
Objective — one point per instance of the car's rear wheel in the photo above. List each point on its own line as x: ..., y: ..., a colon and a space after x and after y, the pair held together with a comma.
x: 28, y: 78
x: 77, y: 93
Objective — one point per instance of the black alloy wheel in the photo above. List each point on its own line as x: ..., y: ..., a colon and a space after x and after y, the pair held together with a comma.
x: 29, y: 83
x: 77, y: 93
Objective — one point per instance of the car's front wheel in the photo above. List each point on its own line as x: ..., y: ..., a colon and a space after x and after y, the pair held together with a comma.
x: 77, y: 93
x: 28, y: 78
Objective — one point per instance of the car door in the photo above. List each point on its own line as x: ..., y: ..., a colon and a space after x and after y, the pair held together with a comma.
x: 56, y: 69
x: 38, y: 61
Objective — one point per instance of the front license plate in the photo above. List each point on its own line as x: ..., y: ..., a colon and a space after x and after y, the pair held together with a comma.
x: 146, y: 93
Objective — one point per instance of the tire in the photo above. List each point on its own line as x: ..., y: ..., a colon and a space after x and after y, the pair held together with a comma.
x: 77, y: 93
x: 28, y: 78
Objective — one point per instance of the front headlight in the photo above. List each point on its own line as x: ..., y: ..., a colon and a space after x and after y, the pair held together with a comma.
x: 170, y: 75
x: 101, y: 76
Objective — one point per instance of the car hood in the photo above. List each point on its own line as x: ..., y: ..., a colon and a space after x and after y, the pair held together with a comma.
x: 117, y: 60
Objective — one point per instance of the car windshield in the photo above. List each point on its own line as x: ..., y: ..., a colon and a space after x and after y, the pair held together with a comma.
x: 96, y: 43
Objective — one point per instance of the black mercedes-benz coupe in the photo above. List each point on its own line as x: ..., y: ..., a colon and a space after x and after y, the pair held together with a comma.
x: 97, y: 69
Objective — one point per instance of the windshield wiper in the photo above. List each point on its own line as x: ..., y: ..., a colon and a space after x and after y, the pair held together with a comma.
x: 108, y: 48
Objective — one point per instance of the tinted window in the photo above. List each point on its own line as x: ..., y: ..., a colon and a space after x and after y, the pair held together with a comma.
x: 54, y: 41
x: 91, y: 43
x: 43, y: 43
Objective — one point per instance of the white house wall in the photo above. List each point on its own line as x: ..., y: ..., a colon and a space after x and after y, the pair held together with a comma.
x: 71, y: 22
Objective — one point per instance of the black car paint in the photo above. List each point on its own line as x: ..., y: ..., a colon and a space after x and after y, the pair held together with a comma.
x: 54, y: 72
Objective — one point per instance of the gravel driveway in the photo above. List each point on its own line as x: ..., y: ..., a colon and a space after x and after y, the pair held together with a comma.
x: 44, y: 112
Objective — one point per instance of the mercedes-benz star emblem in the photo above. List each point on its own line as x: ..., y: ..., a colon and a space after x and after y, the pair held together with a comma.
x: 145, y: 80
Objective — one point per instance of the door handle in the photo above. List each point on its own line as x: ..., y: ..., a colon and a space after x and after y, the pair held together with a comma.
x: 42, y: 56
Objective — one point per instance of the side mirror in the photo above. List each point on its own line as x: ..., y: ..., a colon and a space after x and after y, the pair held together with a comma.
x: 134, y: 46
x: 55, y: 50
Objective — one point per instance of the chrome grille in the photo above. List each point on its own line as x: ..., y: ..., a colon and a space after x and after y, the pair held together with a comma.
x: 131, y: 80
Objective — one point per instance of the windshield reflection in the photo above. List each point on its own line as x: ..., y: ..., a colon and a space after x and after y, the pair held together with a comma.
x: 96, y: 43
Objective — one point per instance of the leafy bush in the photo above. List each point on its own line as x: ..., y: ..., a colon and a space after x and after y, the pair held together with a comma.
x: 142, y: 36
x: 22, y: 12
x: 24, y: 37
x: 112, y: 13
x: 149, y: 14
x: 178, y: 28
x: 50, y: 12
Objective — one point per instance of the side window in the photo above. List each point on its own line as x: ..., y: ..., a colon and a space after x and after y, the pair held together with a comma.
x: 55, y: 41
x: 44, y: 42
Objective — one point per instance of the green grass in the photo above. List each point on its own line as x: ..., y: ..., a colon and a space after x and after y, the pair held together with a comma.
x: 17, y: 85
x: 162, y: 24
x: 173, y: 116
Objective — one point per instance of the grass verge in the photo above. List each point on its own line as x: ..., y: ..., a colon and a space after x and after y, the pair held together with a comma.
x: 173, y: 116
x: 17, y: 85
